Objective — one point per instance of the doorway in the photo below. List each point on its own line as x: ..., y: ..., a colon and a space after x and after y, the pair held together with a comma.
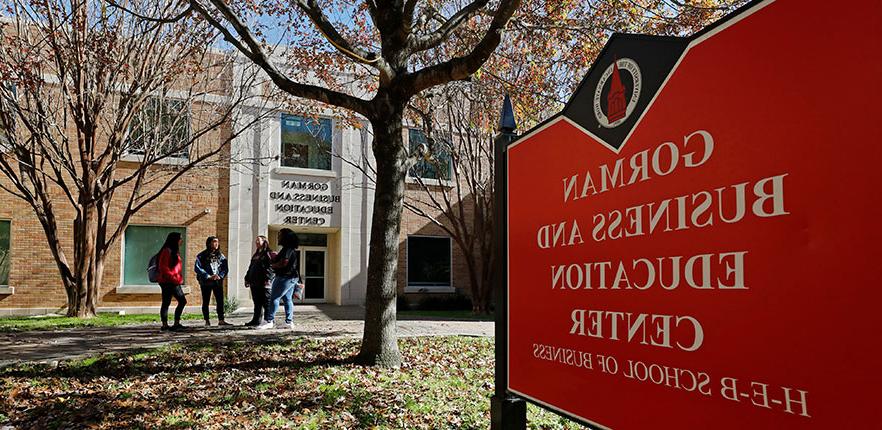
x: 314, y: 270
x: 314, y: 264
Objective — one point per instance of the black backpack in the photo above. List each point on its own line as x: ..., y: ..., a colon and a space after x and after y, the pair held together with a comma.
x: 153, y: 269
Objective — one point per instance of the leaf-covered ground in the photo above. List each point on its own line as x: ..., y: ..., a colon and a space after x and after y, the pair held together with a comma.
x: 445, y: 383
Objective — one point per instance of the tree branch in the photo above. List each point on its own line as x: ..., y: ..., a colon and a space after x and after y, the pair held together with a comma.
x: 442, y: 33
x: 249, y: 46
x: 462, y: 67
x: 324, y: 26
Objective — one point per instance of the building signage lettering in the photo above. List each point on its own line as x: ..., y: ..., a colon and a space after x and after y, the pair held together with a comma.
x: 305, y: 202
x: 713, y: 255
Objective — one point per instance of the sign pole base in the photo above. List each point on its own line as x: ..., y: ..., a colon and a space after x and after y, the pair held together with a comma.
x: 508, y: 413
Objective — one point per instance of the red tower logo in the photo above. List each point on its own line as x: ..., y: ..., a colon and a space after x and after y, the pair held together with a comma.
x: 620, y: 100
x: 615, y: 100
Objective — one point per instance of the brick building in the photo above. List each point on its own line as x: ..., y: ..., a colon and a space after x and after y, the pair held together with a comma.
x: 306, y: 174
x: 328, y: 201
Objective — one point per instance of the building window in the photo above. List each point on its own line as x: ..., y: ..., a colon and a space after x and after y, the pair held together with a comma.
x: 437, y: 163
x: 428, y: 263
x: 313, y: 239
x: 306, y: 142
x: 141, y: 243
x: 162, y: 128
x: 7, y: 117
x: 5, y: 254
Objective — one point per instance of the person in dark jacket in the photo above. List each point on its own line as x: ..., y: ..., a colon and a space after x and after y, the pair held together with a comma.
x: 170, y: 277
x: 286, y: 266
x: 258, y: 279
x: 211, y: 269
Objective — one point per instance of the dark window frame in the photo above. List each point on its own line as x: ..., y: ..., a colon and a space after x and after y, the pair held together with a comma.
x: 184, y: 128
x: 7, y: 257
x: 414, y: 285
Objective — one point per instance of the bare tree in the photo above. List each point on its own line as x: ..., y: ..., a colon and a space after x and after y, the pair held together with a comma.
x: 459, y: 121
x: 102, y: 112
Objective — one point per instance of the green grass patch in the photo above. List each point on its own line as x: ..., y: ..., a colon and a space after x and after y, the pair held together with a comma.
x: 8, y: 324
x: 444, y: 383
x: 446, y: 315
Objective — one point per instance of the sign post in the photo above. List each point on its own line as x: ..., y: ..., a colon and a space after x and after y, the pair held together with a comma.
x: 694, y: 240
x: 507, y: 411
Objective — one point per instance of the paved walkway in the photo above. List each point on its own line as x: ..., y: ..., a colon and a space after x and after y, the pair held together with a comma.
x: 323, y: 321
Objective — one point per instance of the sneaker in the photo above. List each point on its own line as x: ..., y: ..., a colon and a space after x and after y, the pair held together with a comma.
x: 177, y: 327
x: 208, y: 323
x: 265, y: 326
x: 222, y: 322
x: 252, y: 324
x: 290, y: 325
x: 165, y: 328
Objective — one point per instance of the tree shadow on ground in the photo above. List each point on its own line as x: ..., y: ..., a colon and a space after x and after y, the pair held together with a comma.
x: 47, y: 345
x: 476, y: 318
x: 95, y: 403
x: 120, y: 366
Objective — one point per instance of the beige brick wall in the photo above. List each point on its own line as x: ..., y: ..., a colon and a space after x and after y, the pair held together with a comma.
x: 413, y: 224
x: 34, y: 273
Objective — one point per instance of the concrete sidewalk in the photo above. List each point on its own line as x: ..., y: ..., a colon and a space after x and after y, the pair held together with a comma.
x: 322, y: 321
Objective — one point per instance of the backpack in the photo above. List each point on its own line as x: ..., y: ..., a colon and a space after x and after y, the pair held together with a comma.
x: 153, y: 269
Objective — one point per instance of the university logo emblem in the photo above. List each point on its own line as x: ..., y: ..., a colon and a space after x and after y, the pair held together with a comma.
x: 617, y: 92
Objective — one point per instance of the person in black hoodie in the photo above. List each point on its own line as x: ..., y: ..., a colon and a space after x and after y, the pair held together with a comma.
x: 287, y: 283
x: 211, y: 269
x: 258, y: 279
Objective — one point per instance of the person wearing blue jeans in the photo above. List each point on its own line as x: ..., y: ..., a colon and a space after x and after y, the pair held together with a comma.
x: 286, y: 265
x: 282, y: 290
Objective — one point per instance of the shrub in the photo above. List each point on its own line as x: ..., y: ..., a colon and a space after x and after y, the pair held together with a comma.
x: 230, y: 305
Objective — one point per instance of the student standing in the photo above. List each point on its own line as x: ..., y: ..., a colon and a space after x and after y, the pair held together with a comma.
x: 170, y: 277
x: 286, y: 266
x: 258, y: 279
x: 211, y: 269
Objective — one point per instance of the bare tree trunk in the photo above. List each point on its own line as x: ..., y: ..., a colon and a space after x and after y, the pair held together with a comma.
x: 477, y: 297
x: 83, y: 300
x: 379, y: 344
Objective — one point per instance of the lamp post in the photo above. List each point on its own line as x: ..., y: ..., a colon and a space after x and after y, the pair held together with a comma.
x: 507, y: 411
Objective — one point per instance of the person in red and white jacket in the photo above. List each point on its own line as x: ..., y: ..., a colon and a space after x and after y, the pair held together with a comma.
x: 171, y: 276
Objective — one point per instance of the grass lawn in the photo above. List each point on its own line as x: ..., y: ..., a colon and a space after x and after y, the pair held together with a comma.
x: 445, y: 383
x: 102, y: 320
x: 457, y: 315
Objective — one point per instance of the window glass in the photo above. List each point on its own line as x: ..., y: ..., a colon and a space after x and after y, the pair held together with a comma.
x: 312, y: 239
x: 142, y: 243
x: 306, y: 142
x: 5, y: 254
x: 437, y: 165
x: 7, y: 91
x: 314, y: 274
x: 161, y: 127
x: 428, y: 261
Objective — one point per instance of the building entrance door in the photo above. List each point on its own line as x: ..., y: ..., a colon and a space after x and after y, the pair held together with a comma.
x: 314, y: 269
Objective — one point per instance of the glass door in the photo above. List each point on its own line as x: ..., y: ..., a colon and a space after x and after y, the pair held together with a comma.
x: 313, y: 268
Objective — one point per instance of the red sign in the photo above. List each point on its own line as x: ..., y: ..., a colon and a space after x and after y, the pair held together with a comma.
x: 694, y: 242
